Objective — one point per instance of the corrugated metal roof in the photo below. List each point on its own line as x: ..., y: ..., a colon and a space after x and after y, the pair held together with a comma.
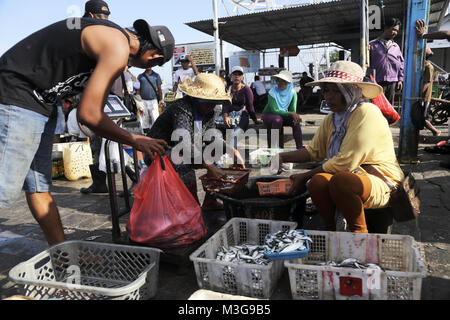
x: 274, y: 10
x: 335, y: 21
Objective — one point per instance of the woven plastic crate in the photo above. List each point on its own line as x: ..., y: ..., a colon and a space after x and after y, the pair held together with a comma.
x: 79, y: 270
x: 398, y: 255
x: 250, y: 280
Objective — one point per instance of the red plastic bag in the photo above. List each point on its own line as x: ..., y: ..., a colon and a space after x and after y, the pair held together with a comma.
x: 385, y: 106
x: 164, y: 212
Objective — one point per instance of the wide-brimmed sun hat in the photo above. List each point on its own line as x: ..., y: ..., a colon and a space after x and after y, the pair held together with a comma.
x: 347, y: 72
x: 206, y: 86
x: 284, y: 75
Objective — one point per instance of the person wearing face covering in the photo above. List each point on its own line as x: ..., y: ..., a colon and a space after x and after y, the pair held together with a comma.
x: 281, y: 108
x: 354, y: 135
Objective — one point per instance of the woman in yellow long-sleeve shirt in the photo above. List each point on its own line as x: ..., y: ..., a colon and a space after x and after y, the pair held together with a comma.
x: 354, y: 135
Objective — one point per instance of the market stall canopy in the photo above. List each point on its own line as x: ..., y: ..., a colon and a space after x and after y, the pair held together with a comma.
x: 335, y: 21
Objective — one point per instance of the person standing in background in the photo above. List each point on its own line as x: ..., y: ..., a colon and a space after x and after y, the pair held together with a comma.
x: 151, y: 94
x: 427, y: 91
x: 422, y: 33
x: 259, y: 92
x: 305, y: 91
x: 386, y: 60
x: 188, y: 70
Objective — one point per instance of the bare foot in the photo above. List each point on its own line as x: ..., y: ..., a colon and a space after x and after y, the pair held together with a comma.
x: 437, y: 133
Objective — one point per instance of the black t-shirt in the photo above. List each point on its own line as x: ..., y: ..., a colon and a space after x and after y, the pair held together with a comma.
x: 304, y: 81
x: 47, y: 66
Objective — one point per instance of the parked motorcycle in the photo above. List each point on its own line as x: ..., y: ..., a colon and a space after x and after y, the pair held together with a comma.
x: 439, y: 108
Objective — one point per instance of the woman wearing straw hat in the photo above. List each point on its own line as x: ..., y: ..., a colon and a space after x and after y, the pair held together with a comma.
x: 354, y: 135
x: 192, y: 114
x: 281, y: 108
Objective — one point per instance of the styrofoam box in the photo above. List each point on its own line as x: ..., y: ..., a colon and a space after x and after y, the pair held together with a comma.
x: 250, y: 280
x: 262, y: 157
x: 398, y: 255
x: 211, y: 295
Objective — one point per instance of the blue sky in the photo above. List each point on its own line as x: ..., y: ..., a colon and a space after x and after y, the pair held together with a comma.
x: 19, y: 19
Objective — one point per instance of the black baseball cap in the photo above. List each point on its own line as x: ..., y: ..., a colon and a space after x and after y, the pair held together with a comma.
x: 96, y: 7
x: 160, y: 36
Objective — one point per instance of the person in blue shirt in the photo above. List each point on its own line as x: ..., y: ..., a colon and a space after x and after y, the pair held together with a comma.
x: 151, y: 94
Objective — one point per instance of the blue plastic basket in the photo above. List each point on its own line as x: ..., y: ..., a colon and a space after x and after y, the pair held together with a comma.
x: 288, y: 255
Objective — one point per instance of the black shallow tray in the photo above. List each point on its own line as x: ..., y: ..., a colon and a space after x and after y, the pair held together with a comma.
x: 247, y: 203
x: 249, y: 194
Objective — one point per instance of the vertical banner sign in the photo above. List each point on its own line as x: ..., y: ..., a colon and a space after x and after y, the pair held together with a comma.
x: 248, y: 60
x: 414, y: 61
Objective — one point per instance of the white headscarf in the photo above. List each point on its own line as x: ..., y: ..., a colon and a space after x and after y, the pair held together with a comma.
x: 353, y: 97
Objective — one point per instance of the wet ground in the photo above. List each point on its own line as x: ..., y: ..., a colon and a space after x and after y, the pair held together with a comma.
x: 88, y: 217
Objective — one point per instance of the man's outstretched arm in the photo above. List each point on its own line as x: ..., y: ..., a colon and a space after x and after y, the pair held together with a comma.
x: 422, y: 32
x: 111, y: 50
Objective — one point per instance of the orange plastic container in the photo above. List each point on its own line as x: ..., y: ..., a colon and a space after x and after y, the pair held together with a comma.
x: 277, y: 187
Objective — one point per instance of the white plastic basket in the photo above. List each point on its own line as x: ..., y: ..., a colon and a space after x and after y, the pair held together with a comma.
x: 250, y: 280
x: 79, y: 270
x: 398, y: 254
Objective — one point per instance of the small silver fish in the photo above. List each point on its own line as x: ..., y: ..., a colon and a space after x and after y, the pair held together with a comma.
x: 351, y: 263
x: 286, y: 241
x: 297, y: 246
x: 243, y: 254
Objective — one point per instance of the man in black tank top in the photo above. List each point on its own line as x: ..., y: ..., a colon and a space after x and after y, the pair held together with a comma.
x: 98, y: 9
x: 66, y: 58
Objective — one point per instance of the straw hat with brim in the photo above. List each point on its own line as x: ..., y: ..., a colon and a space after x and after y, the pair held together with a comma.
x: 347, y: 72
x: 284, y: 75
x: 206, y: 86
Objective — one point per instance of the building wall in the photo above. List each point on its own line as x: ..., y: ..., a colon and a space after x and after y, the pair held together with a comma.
x: 441, y: 57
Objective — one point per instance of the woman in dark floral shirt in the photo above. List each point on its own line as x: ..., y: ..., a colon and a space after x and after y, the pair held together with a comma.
x: 186, y: 119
